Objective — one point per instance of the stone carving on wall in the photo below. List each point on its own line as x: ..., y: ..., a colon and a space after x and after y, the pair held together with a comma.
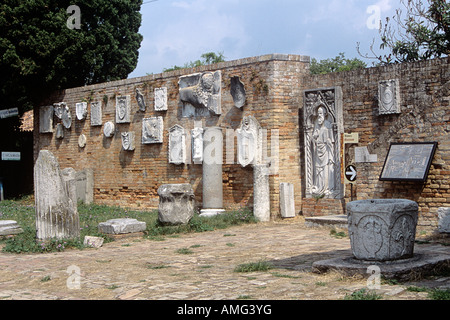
x: 161, y: 99
x: 46, y: 119
x: 201, y: 92
x: 238, y: 92
x: 59, y: 131
x: 389, y: 97
x: 109, y: 129
x: 197, y: 145
x: 128, y: 141
x: 177, y: 145
x: 82, y: 141
x: 249, y: 142
x: 59, y: 107
x: 96, y: 113
x: 123, y: 109
x: 81, y: 110
x: 140, y: 100
x: 322, y: 128
x: 66, y: 117
x: 152, y: 130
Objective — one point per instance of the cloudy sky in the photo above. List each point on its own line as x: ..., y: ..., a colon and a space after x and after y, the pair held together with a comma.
x: 179, y: 31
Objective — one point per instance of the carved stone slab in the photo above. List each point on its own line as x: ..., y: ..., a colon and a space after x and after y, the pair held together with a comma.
x: 201, y: 91
x: 66, y: 117
x: 128, y: 141
x: 389, y: 96
x: 58, y: 108
x: 59, y: 131
x: 161, y: 99
x: 249, y: 142
x: 197, y: 145
x: 238, y: 92
x: 123, y: 109
x: 82, y: 141
x: 46, y: 119
x: 177, y: 145
x: 109, y: 129
x: 176, y: 204
x: 96, y: 113
x: 323, y: 125
x: 140, y: 100
x: 81, y: 110
x: 152, y: 130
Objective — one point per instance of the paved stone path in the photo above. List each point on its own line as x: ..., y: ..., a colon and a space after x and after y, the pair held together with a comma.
x: 196, y: 266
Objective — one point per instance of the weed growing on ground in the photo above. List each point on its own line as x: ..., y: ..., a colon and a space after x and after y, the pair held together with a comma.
x: 253, y: 267
x: 433, y: 293
x: 363, y: 294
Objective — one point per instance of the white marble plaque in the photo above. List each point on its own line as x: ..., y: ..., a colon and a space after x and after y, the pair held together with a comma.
x: 109, y: 129
x: 82, y: 141
x: 59, y: 107
x: 249, y: 142
x: 46, y: 119
x: 152, y: 130
x: 177, y: 145
x: 96, y: 113
x: 123, y: 109
x: 389, y: 97
x: 128, y: 139
x: 362, y: 155
x: 81, y: 110
x: 197, y: 145
x: 59, y: 131
x: 66, y: 117
x: 161, y: 99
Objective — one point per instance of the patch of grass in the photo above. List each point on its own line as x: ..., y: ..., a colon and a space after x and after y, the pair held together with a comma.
x: 201, y: 224
x: 280, y: 275
x: 433, y: 293
x: 253, y: 267
x: 184, y: 251
x: 320, y: 283
x: 46, y: 278
x: 22, y: 210
x: 338, y: 235
x: 363, y: 294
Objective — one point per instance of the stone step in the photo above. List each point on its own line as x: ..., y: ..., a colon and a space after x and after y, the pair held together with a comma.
x: 338, y: 221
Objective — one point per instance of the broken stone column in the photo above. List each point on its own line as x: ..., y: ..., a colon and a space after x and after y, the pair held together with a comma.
x: 212, y: 172
x: 261, y: 192
x: 55, y: 214
x: 176, y: 203
x: 287, y: 203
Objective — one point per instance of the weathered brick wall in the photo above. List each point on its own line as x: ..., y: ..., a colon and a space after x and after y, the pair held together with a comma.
x: 424, y: 117
x: 131, y: 179
x: 274, y: 86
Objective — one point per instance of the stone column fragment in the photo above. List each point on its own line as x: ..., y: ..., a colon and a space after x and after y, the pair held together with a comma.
x: 56, y: 216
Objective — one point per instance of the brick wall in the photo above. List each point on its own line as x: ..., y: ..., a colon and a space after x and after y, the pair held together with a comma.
x: 274, y: 86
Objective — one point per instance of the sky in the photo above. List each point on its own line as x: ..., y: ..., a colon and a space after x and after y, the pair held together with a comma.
x: 179, y: 31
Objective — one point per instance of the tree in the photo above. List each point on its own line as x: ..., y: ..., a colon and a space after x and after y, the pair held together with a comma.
x: 207, y: 59
x: 337, y: 64
x: 422, y: 33
x: 40, y: 52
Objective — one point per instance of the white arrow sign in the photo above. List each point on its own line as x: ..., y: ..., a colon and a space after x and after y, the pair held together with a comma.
x: 350, y: 172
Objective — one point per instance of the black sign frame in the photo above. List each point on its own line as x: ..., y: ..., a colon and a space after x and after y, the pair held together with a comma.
x: 413, y: 157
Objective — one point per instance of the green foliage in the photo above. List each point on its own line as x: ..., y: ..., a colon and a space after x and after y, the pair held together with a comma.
x: 337, y: 64
x: 253, y: 267
x: 206, y: 59
x: 420, y: 32
x: 40, y: 54
x: 363, y: 294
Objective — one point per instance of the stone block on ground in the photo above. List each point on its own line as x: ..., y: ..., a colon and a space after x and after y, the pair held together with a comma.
x: 9, y: 227
x: 94, y: 242
x: 176, y: 203
x: 121, y: 226
x: 444, y: 219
